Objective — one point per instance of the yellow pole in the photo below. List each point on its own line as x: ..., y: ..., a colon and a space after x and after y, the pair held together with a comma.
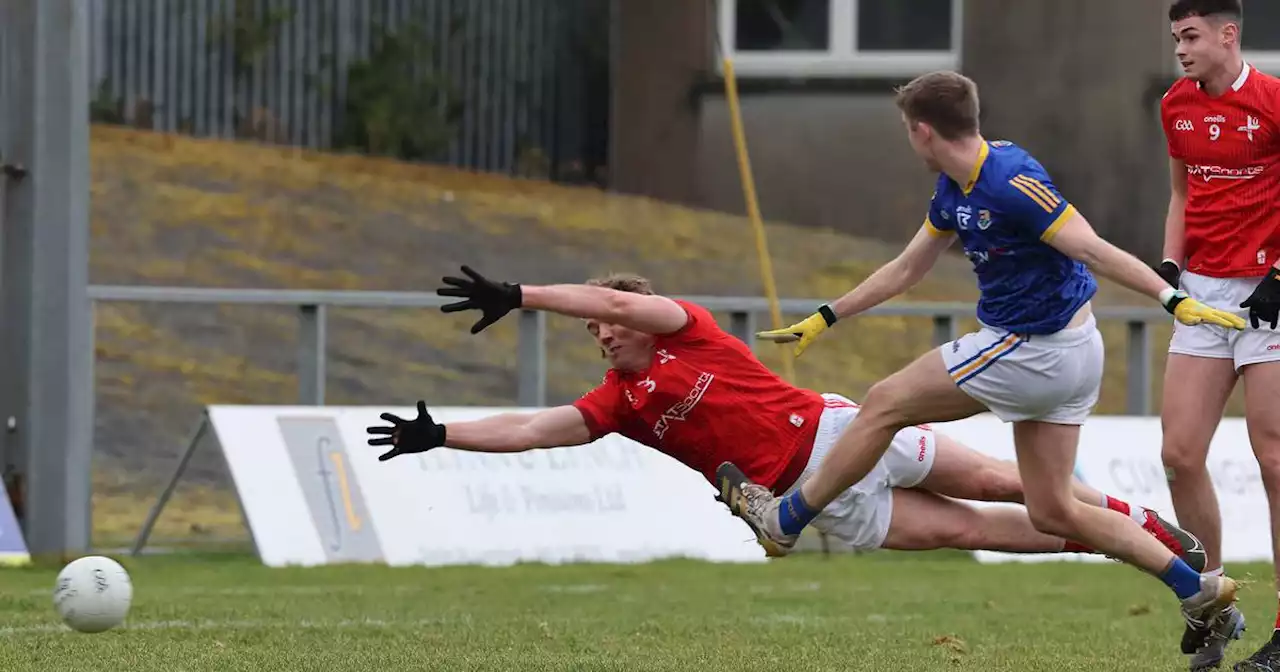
x: 753, y: 209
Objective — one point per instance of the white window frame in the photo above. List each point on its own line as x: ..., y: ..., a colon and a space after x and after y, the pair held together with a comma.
x: 842, y: 59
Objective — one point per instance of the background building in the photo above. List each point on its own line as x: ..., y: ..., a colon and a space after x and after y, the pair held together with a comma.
x: 1077, y: 83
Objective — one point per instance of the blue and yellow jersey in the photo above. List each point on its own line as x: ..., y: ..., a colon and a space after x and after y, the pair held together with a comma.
x: 1004, y: 217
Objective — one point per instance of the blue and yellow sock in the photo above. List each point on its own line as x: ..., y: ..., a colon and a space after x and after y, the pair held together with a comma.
x: 1179, y: 576
x: 794, y: 514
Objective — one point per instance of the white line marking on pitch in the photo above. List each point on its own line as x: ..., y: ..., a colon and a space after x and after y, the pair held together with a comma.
x: 231, y: 625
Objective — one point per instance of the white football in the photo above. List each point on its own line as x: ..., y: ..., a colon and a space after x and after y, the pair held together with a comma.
x: 93, y: 594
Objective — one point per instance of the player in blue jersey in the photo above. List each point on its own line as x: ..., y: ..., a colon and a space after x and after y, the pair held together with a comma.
x: 1035, y: 362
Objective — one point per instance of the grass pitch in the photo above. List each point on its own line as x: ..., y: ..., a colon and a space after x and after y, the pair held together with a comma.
x: 885, y: 611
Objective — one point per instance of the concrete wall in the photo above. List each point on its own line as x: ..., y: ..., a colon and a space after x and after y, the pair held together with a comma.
x: 837, y: 160
x: 1072, y: 82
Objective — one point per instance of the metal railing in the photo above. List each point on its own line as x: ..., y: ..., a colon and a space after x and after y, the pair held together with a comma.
x: 532, y: 349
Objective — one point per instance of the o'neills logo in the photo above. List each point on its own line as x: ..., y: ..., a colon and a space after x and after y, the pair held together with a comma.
x: 1220, y: 173
x: 1218, y: 119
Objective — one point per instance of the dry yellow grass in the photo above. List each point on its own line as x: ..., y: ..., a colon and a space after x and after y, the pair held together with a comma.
x: 183, y: 211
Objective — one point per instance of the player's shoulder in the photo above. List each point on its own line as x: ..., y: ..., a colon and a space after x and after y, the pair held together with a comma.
x: 1264, y: 80
x: 701, y: 324
x: 1008, y: 162
x: 1263, y: 88
x: 1184, y: 89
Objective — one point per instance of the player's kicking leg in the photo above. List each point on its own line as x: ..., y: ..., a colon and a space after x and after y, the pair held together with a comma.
x: 1046, y: 459
x: 1261, y: 387
x: 921, y: 392
x: 961, y: 472
x: 1190, y: 414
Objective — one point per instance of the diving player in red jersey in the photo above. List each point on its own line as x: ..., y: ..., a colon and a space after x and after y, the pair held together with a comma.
x: 1222, y: 245
x: 680, y: 384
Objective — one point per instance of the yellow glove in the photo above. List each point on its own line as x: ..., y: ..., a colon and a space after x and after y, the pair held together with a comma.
x: 804, y: 331
x: 1191, y: 312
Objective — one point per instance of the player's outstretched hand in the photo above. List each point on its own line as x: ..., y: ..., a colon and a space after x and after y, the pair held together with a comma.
x: 804, y: 331
x: 1264, y: 302
x: 1191, y: 313
x: 492, y: 299
x: 407, y: 436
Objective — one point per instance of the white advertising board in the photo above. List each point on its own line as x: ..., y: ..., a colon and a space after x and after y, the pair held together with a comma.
x: 314, y: 492
x: 1120, y: 456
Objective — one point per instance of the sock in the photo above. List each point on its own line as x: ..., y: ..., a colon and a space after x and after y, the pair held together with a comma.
x: 1137, y: 513
x: 794, y: 513
x: 1072, y: 547
x: 1215, y: 572
x: 1179, y: 576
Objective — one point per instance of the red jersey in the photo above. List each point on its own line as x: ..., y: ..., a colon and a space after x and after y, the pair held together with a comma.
x: 1231, y: 145
x: 706, y: 399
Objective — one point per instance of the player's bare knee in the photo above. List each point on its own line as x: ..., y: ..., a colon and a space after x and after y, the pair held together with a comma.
x: 1052, y: 517
x: 884, y: 405
x: 1183, y: 458
x: 1266, y: 447
x: 974, y: 534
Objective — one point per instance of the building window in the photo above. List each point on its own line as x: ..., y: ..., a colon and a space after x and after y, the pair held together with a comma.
x: 892, y: 25
x: 840, y: 38
x: 783, y: 25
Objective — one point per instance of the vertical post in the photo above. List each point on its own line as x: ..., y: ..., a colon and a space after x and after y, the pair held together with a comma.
x: 1138, y: 392
x: 944, y: 329
x: 532, y: 377
x: 311, y: 355
x: 46, y: 358
x: 742, y: 323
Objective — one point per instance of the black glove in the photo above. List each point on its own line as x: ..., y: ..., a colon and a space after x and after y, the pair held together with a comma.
x: 407, y: 436
x: 1264, y: 302
x: 1168, y: 269
x: 492, y: 299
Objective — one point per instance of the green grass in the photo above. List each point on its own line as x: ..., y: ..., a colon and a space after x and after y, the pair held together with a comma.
x: 885, y: 611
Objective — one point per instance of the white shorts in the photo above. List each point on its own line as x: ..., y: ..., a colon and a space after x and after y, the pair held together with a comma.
x: 1049, y: 378
x: 860, y: 516
x: 1251, y: 346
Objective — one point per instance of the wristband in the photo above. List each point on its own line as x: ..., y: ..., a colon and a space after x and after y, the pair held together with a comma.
x: 1170, y: 298
x: 827, y: 314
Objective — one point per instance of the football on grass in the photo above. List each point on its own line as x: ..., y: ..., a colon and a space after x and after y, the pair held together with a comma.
x: 93, y: 594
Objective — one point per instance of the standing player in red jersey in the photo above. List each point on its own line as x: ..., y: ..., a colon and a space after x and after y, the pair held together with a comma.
x: 680, y: 384
x: 1221, y: 244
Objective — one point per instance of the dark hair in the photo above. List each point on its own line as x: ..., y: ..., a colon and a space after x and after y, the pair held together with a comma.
x: 1224, y: 9
x: 947, y: 101
x: 623, y: 282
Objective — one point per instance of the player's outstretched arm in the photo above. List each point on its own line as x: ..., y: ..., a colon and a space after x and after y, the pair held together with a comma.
x: 502, y: 433
x: 647, y: 313
x: 888, y: 281
x: 1075, y: 238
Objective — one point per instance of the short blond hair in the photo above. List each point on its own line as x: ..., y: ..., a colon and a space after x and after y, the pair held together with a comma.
x: 946, y: 100
x: 623, y: 282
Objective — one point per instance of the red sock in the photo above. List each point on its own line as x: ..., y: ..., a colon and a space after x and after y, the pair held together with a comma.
x: 1072, y: 547
x: 1278, y: 619
x: 1116, y: 505
x: 1135, y: 513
